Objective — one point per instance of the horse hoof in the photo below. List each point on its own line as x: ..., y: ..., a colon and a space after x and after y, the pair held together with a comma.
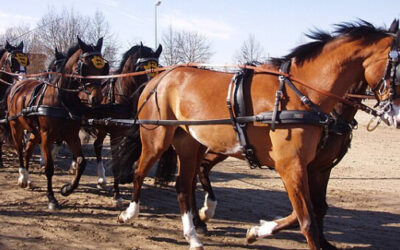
x: 53, y: 206
x: 102, y: 185
x: 30, y: 185
x: 121, y: 218
x: 204, y: 214
x: 197, y: 248
x: 202, y: 230
x: 66, y: 189
x: 251, y: 236
x: 72, y: 171
x: 22, y: 184
x: 118, y: 203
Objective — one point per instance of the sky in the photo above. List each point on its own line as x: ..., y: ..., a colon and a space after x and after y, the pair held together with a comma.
x: 278, y: 26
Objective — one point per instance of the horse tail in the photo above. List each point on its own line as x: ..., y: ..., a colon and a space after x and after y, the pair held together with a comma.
x: 126, y: 154
x: 166, y: 168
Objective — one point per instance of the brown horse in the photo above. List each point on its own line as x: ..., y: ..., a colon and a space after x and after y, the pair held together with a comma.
x: 333, y: 150
x: 12, y: 60
x: 51, y: 112
x: 321, y: 72
x: 120, y: 97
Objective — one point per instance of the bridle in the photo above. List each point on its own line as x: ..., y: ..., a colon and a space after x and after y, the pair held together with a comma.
x: 97, y: 61
x: 20, y: 57
x: 147, y: 64
x: 385, y: 90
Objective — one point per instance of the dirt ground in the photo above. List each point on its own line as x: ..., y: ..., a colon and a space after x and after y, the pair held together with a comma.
x: 363, y: 194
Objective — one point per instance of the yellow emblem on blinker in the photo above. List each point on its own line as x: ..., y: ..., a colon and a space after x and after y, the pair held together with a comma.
x: 151, y: 65
x: 22, y: 59
x: 98, y: 62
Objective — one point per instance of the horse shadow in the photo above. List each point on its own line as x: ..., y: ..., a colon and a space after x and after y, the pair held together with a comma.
x: 361, y: 229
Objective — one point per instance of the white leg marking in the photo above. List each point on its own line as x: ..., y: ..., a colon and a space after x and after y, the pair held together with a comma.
x: 23, y: 179
x: 266, y: 228
x: 101, y: 173
x: 208, y: 210
x: 131, y: 212
x: 189, y: 231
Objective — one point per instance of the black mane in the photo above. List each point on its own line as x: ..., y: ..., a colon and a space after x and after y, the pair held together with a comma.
x: 353, y: 30
x: 2, y: 52
x: 145, y: 52
x: 72, y: 50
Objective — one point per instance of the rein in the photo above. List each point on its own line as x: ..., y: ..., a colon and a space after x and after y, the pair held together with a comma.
x: 200, y: 65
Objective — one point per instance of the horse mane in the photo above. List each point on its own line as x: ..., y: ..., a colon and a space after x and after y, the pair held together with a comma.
x: 2, y: 51
x: 308, y: 51
x: 72, y: 50
x: 132, y: 51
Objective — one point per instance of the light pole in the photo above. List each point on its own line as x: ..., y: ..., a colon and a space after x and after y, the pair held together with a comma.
x: 155, y: 23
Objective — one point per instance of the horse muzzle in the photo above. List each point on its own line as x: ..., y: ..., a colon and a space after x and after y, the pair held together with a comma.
x: 392, y: 117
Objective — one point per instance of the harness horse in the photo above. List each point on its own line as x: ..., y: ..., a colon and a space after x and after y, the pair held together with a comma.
x: 120, y: 97
x: 52, y: 111
x: 286, y: 114
x: 12, y: 60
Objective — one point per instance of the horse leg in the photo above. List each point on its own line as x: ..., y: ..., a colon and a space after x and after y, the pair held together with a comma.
x: 210, y: 200
x: 296, y: 182
x: 98, y: 146
x: 115, y: 140
x: 1, y: 154
x: 190, y: 153
x: 34, y: 139
x: 318, y: 182
x: 49, y: 169
x: 151, y: 151
x: 74, y: 144
x: 17, y: 134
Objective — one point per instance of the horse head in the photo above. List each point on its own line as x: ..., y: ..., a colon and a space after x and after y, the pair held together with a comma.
x: 57, y: 63
x: 86, y: 60
x: 141, y: 58
x: 14, y: 59
x: 387, y: 87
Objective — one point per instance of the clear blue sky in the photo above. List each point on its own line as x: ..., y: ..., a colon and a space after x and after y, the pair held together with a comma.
x: 277, y: 25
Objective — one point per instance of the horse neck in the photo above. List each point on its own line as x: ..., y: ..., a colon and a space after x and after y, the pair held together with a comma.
x: 126, y: 86
x: 348, y: 112
x: 338, y: 67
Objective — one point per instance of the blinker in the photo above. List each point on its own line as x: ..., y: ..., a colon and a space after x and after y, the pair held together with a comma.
x: 98, y: 62
x: 394, y: 55
x: 22, y: 59
x: 151, y: 65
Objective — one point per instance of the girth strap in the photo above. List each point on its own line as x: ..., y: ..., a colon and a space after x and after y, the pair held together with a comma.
x: 240, y: 84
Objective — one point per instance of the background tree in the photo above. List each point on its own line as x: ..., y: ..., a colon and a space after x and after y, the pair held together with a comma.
x: 184, y: 47
x: 59, y: 29
x: 251, y: 51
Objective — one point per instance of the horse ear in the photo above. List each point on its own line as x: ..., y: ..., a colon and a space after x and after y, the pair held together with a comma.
x: 8, y: 46
x: 158, y: 51
x: 56, y: 51
x: 21, y: 46
x: 82, y: 45
x: 394, y: 27
x: 141, y: 44
x: 99, y: 44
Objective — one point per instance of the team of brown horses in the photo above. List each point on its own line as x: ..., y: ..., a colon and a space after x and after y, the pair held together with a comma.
x: 320, y: 73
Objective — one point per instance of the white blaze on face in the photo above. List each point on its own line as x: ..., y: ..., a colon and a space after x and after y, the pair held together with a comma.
x: 189, y: 231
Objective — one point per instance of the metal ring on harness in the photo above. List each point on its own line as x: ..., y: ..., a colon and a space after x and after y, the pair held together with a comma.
x: 369, y: 128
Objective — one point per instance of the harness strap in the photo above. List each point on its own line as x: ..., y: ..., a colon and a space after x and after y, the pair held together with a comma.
x: 240, y: 82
